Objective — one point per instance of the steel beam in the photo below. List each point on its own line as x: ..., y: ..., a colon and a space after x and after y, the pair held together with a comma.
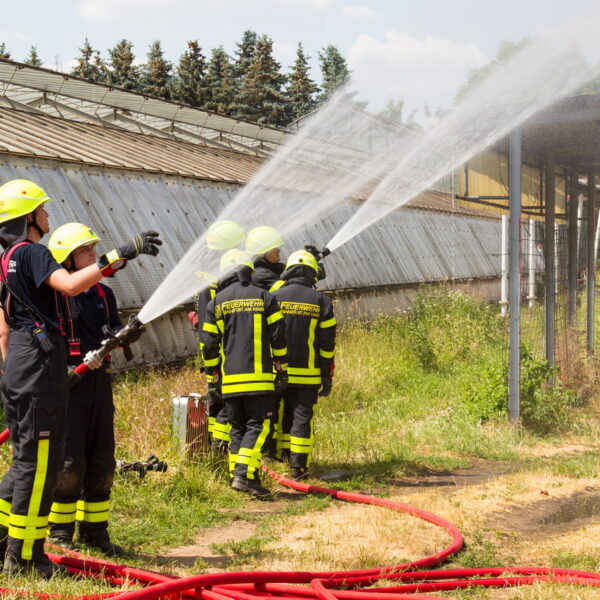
x: 572, y: 248
x: 549, y: 251
x: 514, y: 350
x: 591, y: 261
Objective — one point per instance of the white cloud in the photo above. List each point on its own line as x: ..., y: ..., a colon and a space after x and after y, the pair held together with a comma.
x: 112, y: 10
x: 358, y: 12
x: 422, y: 71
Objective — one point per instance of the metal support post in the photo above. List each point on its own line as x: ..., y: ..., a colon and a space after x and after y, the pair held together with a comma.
x: 572, y: 249
x: 549, y: 251
x: 504, y: 271
x: 591, y: 261
x: 531, y: 250
x: 514, y: 350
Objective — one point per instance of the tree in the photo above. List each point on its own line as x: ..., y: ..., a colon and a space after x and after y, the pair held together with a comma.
x: 188, y: 85
x: 220, y: 85
x: 392, y: 111
x: 122, y: 71
x: 4, y: 53
x: 334, y: 69
x: 261, y: 97
x: 33, y: 59
x: 89, y: 65
x: 506, y: 51
x: 245, y: 53
x: 156, y: 73
x: 301, y: 89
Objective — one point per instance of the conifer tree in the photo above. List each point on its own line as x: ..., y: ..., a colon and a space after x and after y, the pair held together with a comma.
x: 220, y: 86
x: 156, y: 73
x: 245, y: 53
x: 188, y: 84
x: 33, y: 59
x: 4, y: 53
x: 261, y: 97
x: 122, y: 71
x: 334, y: 69
x: 301, y: 88
x: 89, y: 65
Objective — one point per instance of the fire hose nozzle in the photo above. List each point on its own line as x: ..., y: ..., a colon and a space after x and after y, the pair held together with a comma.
x: 325, y: 252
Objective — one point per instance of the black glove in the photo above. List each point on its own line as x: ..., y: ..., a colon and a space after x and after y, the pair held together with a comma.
x: 214, y: 385
x: 281, y: 381
x: 326, y: 385
x: 146, y: 242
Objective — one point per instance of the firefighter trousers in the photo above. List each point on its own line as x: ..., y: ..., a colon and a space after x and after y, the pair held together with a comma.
x: 297, y: 424
x: 249, y: 429
x: 35, y: 393
x: 84, y: 486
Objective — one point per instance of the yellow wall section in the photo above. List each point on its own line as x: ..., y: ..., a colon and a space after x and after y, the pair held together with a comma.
x: 488, y: 176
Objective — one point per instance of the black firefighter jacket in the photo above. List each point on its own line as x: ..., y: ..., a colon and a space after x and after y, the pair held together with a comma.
x: 242, y: 336
x: 310, y: 327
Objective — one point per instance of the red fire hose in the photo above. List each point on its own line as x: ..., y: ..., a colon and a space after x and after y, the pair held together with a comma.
x: 257, y: 585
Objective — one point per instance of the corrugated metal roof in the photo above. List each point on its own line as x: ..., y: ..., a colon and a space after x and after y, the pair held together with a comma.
x: 62, y: 84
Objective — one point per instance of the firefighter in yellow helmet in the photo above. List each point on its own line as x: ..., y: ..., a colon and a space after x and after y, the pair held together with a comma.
x: 221, y: 236
x: 264, y: 245
x: 83, y: 491
x: 310, y: 327
x: 34, y: 387
x: 245, y: 356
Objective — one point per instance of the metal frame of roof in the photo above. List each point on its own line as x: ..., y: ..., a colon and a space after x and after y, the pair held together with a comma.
x: 38, y: 90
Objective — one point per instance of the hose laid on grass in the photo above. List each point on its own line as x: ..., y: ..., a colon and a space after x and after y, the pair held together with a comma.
x: 334, y: 585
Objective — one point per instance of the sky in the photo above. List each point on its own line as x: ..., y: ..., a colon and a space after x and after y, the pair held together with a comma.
x: 420, y: 51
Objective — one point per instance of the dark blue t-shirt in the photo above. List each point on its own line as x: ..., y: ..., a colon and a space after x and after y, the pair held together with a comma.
x: 93, y: 313
x: 29, y: 267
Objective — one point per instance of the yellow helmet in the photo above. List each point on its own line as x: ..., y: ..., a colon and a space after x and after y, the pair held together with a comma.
x: 235, y: 258
x: 262, y: 239
x: 224, y: 235
x: 19, y: 197
x: 69, y: 237
x: 302, y: 257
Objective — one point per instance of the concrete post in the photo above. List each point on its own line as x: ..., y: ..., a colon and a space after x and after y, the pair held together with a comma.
x: 591, y: 262
x: 572, y: 249
x: 514, y: 350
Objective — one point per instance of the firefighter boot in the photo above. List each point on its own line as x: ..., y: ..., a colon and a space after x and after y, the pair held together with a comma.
x: 250, y: 486
x: 41, y: 566
x: 299, y: 473
x: 101, y: 539
x: 62, y: 535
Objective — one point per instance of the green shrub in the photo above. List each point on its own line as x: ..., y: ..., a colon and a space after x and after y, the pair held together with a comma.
x: 544, y: 405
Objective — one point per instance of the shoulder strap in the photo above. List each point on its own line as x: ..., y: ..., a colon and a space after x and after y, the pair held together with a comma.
x: 102, y: 295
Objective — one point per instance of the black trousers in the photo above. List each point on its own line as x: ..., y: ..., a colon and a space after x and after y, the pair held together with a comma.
x: 297, y: 424
x: 84, y: 486
x: 249, y: 428
x: 35, y: 393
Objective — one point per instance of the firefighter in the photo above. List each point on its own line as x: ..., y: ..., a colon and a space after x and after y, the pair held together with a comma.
x: 245, y: 356
x: 84, y: 486
x: 310, y: 327
x: 34, y: 386
x: 222, y: 235
x: 264, y: 245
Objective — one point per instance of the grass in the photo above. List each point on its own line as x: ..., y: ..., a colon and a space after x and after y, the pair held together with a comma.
x: 398, y: 409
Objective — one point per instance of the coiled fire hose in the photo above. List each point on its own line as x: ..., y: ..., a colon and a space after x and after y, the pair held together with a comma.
x: 340, y: 585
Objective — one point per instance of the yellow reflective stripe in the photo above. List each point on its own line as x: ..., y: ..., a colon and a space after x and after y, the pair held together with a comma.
x: 247, y: 377
x: 62, y: 518
x: 304, y: 371
x: 276, y: 316
x: 221, y: 325
x: 232, y: 461
x: 279, y: 351
x: 82, y: 505
x: 311, y: 342
x: 212, y: 292
x: 211, y: 424
x: 277, y: 285
x: 329, y: 323
x: 305, y: 380
x: 27, y: 521
x: 29, y: 535
x: 212, y: 362
x: 248, y: 387
x: 210, y: 328
x: 97, y: 517
x: 35, y: 501
x: 258, y: 343
x: 284, y: 441
x: 326, y: 354
x: 4, y: 512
